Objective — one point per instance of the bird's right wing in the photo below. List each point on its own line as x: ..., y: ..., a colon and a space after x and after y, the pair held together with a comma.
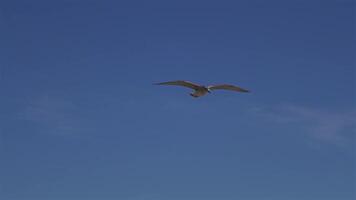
x: 227, y: 87
x: 181, y: 83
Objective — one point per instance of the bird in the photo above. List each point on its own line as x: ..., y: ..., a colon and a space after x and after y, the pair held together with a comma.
x: 201, y: 90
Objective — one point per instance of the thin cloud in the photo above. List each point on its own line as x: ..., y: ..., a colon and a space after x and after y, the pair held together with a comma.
x: 53, y: 115
x: 338, y: 127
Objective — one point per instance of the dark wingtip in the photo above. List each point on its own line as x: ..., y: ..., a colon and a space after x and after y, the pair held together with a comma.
x: 244, y: 90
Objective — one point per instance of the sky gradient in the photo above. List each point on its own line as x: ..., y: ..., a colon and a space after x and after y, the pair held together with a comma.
x: 80, y: 118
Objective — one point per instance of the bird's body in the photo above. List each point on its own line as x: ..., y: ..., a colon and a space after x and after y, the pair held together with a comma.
x: 201, y: 90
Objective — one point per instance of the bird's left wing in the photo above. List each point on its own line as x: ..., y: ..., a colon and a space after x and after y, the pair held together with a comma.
x: 227, y: 87
x: 181, y: 83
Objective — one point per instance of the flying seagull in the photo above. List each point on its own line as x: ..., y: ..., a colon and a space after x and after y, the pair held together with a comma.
x: 201, y: 90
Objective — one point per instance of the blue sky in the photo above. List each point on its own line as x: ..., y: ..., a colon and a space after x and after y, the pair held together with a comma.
x: 80, y: 118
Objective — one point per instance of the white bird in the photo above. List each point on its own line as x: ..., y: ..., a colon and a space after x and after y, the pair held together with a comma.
x: 201, y: 90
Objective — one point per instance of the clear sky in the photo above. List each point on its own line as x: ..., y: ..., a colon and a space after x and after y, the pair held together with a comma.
x: 80, y: 118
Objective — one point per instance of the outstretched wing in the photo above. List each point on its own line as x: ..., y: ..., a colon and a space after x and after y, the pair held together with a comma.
x: 227, y: 87
x: 181, y: 83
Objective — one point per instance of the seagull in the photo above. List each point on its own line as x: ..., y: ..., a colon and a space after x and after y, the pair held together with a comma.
x: 201, y: 90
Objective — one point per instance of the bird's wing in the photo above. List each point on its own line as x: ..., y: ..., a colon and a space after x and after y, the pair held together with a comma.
x: 181, y: 83
x: 227, y: 87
